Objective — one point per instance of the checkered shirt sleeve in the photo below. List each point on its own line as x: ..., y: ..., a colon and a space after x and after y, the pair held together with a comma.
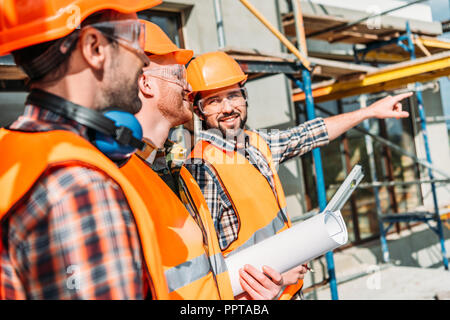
x: 73, y: 238
x: 296, y: 141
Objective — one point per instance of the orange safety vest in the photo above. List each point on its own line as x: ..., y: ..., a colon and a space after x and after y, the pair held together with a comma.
x: 27, y: 156
x: 261, y: 213
x: 193, y: 263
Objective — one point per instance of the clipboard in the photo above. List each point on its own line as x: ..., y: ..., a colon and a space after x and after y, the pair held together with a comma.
x: 346, y: 189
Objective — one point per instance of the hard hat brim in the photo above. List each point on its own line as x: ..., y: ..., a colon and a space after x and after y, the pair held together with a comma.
x: 55, y: 24
x: 158, y: 43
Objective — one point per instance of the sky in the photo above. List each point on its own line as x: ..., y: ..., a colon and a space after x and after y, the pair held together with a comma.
x: 440, y: 9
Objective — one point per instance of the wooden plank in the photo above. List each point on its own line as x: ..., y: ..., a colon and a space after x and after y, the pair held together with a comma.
x: 327, y: 68
x: 362, y: 32
x: 11, y: 72
x: 338, y: 69
x: 430, y: 42
x: 385, y: 79
x: 352, y: 34
x: 420, y: 45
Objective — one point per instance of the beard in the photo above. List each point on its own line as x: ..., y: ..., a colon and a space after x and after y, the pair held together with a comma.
x: 172, y: 105
x: 124, y: 94
x: 121, y: 89
x: 231, y: 133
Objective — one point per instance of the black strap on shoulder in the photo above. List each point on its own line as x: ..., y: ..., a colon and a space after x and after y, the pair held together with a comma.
x: 84, y: 116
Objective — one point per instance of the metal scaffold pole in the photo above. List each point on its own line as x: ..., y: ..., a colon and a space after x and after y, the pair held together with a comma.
x: 219, y: 23
x: 320, y: 180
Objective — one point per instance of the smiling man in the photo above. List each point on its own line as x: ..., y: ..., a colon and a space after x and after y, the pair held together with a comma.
x: 236, y: 168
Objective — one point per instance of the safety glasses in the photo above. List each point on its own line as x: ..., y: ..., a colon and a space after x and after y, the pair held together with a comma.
x: 214, y: 103
x: 175, y: 73
x: 128, y: 33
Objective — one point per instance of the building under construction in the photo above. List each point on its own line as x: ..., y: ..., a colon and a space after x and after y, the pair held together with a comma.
x: 319, y: 58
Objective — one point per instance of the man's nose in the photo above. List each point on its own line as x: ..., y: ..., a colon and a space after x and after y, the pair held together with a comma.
x: 227, y: 107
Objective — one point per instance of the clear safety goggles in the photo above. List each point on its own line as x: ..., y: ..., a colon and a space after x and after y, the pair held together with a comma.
x: 128, y: 33
x: 214, y: 103
x: 175, y: 73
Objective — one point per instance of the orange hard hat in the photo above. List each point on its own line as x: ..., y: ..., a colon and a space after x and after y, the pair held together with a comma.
x: 158, y: 43
x: 214, y: 70
x: 29, y: 22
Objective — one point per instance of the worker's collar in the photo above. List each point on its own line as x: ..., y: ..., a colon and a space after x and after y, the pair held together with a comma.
x: 36, y: 118
x: 216, y: 138
x: 148, y: 154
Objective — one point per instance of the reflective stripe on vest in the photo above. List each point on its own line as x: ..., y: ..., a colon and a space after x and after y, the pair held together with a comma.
x: 193, y: 270
x: 250, y: 194
x: 218, y: 263
x: 19, y: 173
x: 187, y: 269
x: 215, y: 253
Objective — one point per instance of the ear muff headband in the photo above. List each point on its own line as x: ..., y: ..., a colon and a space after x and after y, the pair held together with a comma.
x: 84, y: 116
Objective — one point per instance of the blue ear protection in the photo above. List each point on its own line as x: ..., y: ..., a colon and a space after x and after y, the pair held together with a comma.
x: 110, y: 146
x: 114, y: 132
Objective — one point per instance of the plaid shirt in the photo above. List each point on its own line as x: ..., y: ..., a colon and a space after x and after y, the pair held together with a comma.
x: 284, y: 145
x: 73, y: 236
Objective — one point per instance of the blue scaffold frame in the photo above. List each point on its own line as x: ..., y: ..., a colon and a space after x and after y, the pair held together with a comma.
x: 415, y: 216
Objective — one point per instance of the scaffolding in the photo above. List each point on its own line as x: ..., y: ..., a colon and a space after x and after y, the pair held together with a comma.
x: 389, y: 78
x: 353, y: 79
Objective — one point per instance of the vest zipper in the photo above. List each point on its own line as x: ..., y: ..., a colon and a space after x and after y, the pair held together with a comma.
x: 198, y: 220
x: 231, y: 202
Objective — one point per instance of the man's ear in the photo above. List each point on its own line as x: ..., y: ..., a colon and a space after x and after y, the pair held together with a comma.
x: 198, y: 113
x: 145, y: 86
x: 93, y: 47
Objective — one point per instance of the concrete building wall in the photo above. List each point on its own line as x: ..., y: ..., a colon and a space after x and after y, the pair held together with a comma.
x: 11, y: 105
x: 199, y: 25
x: 241, y: 28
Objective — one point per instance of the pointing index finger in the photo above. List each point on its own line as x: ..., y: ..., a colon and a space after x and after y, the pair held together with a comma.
x: 402, y: 96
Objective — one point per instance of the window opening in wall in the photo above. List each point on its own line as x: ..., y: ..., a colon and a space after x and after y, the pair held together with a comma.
x: 170, y: 22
